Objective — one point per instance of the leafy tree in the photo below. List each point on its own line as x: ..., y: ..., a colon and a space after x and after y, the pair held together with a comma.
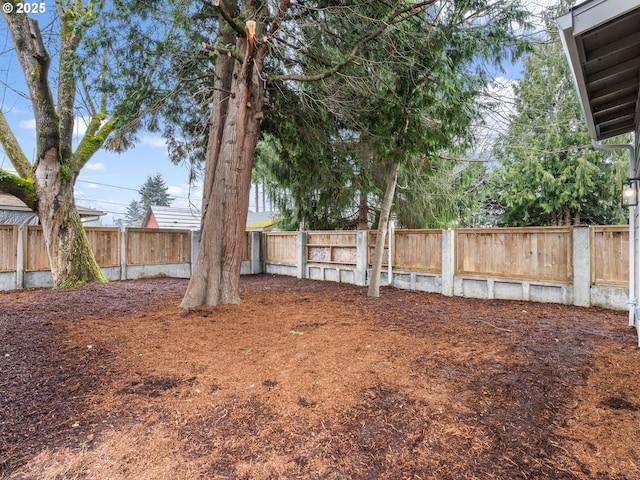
x: 99, y: 77
x: 442, y: 193
x: 548, y: 173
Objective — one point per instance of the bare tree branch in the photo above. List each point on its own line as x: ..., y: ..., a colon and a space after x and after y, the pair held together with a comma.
x: 229, y: 19
x: 12, y: 148
x: 225, y: 51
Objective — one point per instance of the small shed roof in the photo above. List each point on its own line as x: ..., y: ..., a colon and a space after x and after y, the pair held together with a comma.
x: 189, y: 218
x: 172, y: 217
x: 601, y: 39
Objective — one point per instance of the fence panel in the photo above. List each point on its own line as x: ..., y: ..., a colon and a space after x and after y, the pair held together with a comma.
x: 610, y: 255
x: 280, y: 247
x: 417, y: 251
x: 246, y: 247
x: 150, y: 246
x: 105, y: 242
x: 35, y: 250
x: 371, y: 247
x: 335, y: 248
x: 542, y: 254
x: 8, y: 247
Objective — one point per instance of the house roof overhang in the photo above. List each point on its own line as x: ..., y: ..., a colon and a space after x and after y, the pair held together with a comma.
x: 601, y: 39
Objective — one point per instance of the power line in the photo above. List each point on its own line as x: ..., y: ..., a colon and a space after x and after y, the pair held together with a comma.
x: 107, y: 185
x: 126, y: 188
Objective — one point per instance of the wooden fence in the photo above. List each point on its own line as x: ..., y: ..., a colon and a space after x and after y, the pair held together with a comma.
x: 143, y: 247
x: 147, y: 246
x: 610, y: 255
x: 8, y: 251
x: 542, y: 254
x: 332, y: 248
x: 280, y: 247
x: 417, y: 250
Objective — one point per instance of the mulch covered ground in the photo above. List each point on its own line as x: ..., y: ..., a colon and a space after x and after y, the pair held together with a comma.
x: 312, y: 380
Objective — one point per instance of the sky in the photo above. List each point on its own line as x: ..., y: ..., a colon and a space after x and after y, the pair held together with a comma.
x: 110, y: 181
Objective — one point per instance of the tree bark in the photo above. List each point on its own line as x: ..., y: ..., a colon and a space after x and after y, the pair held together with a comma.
x: 385, y: 211
x: 235, y: 123
x: 70, y: 255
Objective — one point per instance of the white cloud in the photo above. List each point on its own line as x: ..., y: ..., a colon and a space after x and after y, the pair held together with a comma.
x: 96, y: 167
x: 28, y: 124
x: 174, y: 190
x: 92, y: 185
x: 153, y: 142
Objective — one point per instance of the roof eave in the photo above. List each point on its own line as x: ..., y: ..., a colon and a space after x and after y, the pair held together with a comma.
x: 580, y: 19
x: 570, y: 46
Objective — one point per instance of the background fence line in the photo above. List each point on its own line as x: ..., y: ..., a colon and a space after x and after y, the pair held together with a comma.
x: 575, y: 265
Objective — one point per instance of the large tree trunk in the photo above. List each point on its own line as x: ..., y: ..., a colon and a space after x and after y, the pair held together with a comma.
x: 385, y: 211
x: 235, y: 123
x: 70, y: 255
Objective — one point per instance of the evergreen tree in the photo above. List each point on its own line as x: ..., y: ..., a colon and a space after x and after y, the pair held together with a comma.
x: 155, y: 192
x: 549, y: 174
x: 134, y: 214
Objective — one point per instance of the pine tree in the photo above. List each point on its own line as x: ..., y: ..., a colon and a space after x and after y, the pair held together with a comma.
x: 549, y: 174
x: 134, y: 214
x: 155, y: 192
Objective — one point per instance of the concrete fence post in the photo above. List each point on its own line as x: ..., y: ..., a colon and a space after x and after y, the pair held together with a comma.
x: 195, y: 247
x: 448, y: 262
x: 581, y: 266
x: 360, y: 275
x: 20, y: 259
x: 123, y: 253
x: 301, y: 255
x: 256, y: 266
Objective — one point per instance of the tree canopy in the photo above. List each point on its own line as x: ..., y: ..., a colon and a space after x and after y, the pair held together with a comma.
x: 82, y: 66
x: 548, y: 173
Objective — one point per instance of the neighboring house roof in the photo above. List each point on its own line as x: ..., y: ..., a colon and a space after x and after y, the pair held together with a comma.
x: 260, y: 220
x: 189, y: 218
x: 9, y: 203
x: 602, y: 42
x: 172, y: 217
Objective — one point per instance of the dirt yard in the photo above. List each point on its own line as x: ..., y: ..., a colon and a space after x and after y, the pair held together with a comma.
x: 312, y: 380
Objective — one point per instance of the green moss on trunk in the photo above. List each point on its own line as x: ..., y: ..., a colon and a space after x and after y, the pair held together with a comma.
x: 79, y: 264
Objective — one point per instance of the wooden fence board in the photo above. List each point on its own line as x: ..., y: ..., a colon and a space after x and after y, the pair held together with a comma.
x: 610, y: 255
x: 335, y: 248
x: 418, y: 250
x: 152, y: 246
x: 105, y: 243
x: 541, y: 253
x: 8, y: 247
x: 35, y: 251
x: 371, y: 248
x: 246, y: 246
x: 280, y: 247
